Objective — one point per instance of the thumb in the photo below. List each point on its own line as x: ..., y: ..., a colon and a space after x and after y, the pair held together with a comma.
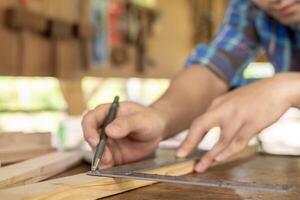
x: 122, y: 126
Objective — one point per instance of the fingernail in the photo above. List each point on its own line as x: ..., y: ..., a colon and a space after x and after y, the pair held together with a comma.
x: 114, y: 129
x: 93, y: 142
x: 181, y: 153
x: 104, y: 166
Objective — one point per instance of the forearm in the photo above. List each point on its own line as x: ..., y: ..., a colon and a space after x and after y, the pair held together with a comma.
x: 297, y: 91
x: 291, y: 82
x: 188, y: 96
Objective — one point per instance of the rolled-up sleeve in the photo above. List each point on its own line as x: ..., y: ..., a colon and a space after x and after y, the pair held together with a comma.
x: 234, y: 46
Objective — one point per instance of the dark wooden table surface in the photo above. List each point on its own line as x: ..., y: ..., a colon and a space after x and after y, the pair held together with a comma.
x: 264, y: 169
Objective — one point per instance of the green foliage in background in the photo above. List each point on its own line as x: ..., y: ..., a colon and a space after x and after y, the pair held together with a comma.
x: 30, y: 94
x: 104, y: 90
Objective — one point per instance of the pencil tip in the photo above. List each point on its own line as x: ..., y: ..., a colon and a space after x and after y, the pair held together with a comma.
x: 95, y: 164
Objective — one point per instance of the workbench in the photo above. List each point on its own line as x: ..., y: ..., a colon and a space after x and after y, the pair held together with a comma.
x: 261, y: 168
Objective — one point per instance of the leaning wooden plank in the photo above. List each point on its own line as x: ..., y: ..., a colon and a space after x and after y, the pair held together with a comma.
x: 83, y: 187
x: 37, y: 169
x: 16, y: 147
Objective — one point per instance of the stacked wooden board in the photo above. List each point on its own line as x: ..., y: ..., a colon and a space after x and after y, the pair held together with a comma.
x: 15, y: 147
x: 37, y: 169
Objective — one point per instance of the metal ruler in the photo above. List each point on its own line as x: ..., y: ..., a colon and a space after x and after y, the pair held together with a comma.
x: 133, y: 171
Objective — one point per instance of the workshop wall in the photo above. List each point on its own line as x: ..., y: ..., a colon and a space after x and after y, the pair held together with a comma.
x: 38, y: 33
x: 71, y: 39
x: 119, y: 38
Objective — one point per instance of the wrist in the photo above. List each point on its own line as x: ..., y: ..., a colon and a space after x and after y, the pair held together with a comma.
x: 291, y: 84
x: 161, y: 110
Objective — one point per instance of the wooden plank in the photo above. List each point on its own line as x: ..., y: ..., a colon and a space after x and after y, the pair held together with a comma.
x: 18, y: 138
x: 16, y: 147
x: 85, y: 33
x: 19, y: 19
x: 37, y: 169
x: 72, y: 89
x: 67, y: 10
x: 85, y: 187
x: 8, y: 3
x: 23, y: 152
x: 68, y: 59
x: 60, y: 30
x: 23, y: 19
x: 260, y: 169
x: 37, y: 57
x: 9, y: 52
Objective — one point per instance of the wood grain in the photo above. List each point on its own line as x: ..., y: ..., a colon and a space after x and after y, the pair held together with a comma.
x: 37, y: 169
x: 37, y: 56
x: 19, y: 19
x: 9, y: 54
x: 260, y: 169
x: 16, y: 147
x: 85, y: 187
x: 68, y: 59
x: 72, y: 89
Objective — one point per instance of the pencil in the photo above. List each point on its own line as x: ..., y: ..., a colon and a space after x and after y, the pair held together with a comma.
x: 103, y: 137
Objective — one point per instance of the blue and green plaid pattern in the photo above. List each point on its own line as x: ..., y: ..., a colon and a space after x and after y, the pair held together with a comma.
x: 246, y: 29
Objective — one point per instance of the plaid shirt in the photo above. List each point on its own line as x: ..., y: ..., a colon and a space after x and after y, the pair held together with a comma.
x: 245, y: 30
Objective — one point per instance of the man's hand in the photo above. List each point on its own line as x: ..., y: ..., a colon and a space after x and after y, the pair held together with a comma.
x: 137, y: 130
x: 242, y: 114
x: 133, y: 135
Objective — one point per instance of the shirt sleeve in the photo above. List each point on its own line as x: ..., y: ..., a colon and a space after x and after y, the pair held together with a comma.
x: 234, y: 46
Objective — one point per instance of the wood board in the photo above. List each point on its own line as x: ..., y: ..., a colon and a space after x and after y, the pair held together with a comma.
x: 39, y: 168
x: 37, y: 57
x: 85, y: 187
x: 9, y: 52
x: 68, y: 59
x: 260, y: 169
x: 16, y: 147
x: 72, y: 89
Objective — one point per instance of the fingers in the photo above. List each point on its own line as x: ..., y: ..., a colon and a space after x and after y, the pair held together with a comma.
x: 107, y: 159
x: 198, y: 129
x: 239, y: 142
x: 91, y: 122
x: 94, y: 119
x: 122, y: 126
x: 227, y: 135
